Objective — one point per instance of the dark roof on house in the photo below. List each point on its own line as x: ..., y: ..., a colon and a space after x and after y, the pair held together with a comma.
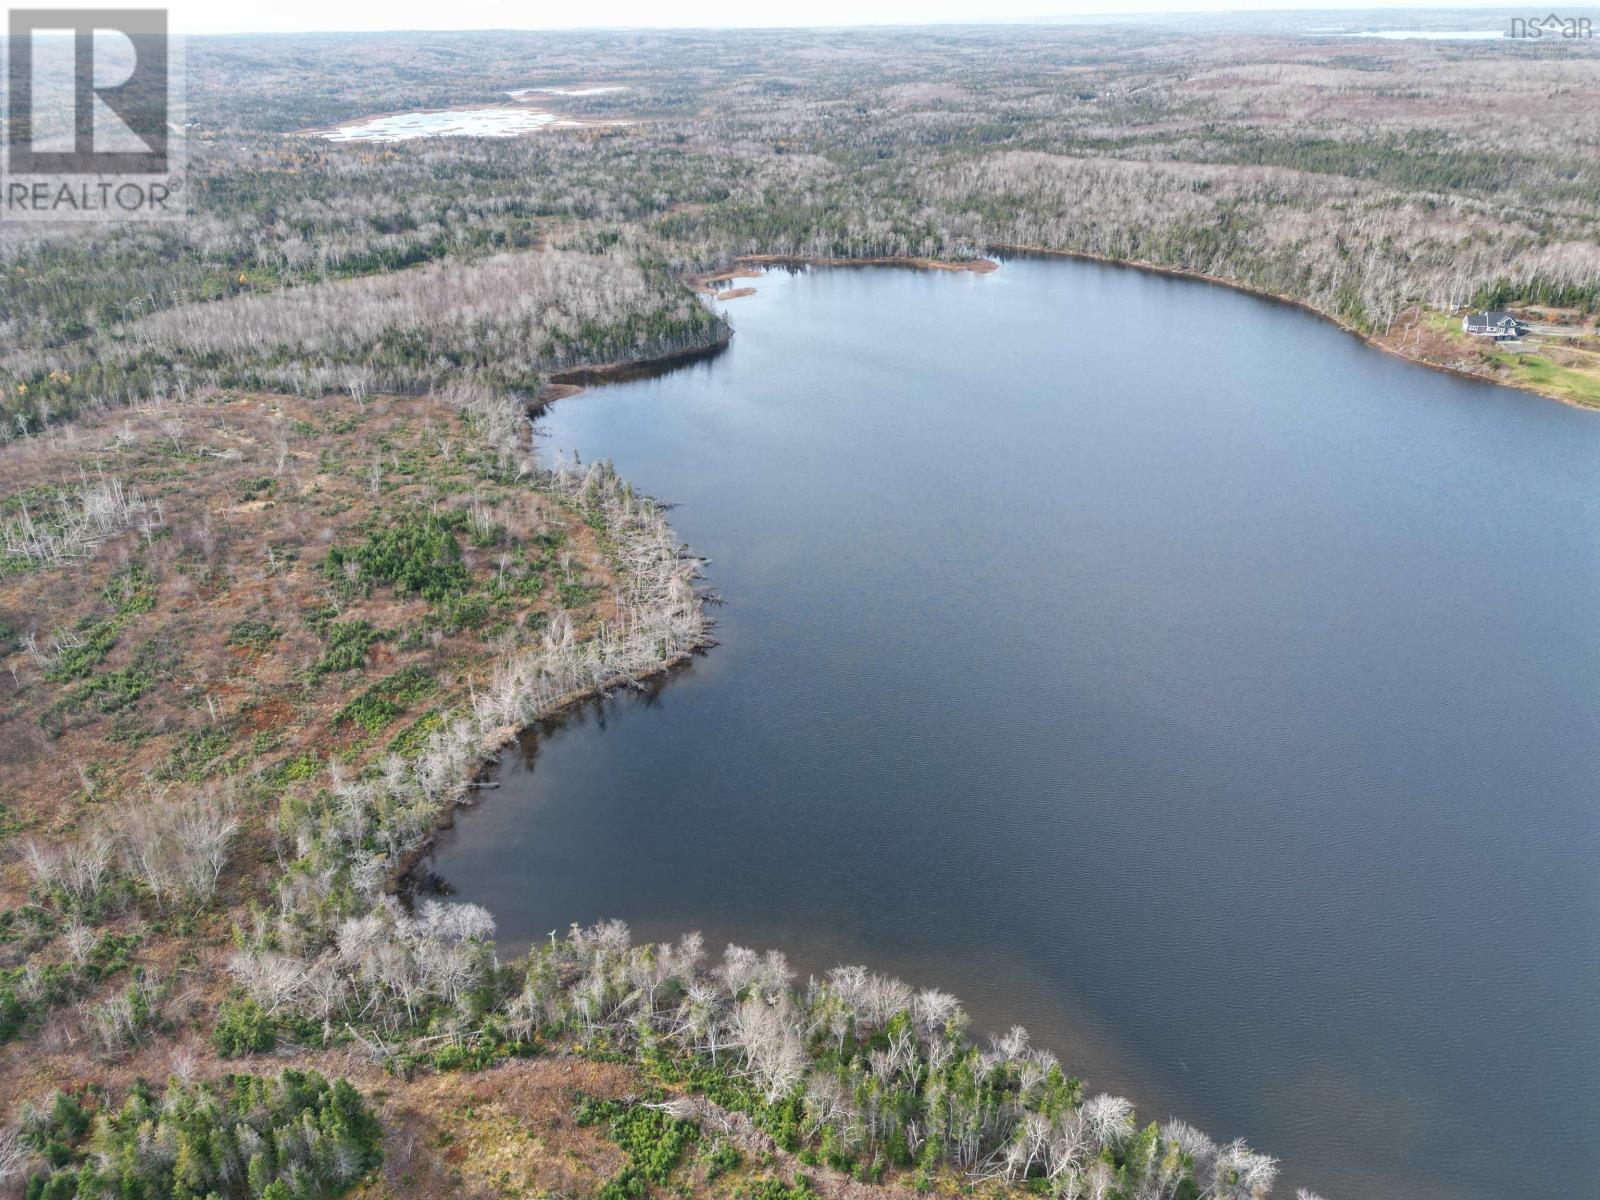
x: 1494, y: 316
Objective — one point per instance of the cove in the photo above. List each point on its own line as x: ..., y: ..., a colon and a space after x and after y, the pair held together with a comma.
x: 1147, y: 663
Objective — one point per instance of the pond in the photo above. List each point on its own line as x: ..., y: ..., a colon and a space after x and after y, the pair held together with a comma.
x: 1432, y: 35
x: 1150, y: 664
x: 455, y: 122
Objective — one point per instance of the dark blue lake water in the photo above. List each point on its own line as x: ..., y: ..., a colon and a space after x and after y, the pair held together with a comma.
x: 1152, y: 665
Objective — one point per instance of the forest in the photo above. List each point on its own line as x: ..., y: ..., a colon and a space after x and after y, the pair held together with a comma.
x: 282, y: 570
x: 1364, y: 179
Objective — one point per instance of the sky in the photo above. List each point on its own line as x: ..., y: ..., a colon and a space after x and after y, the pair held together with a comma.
x: 292, y: 16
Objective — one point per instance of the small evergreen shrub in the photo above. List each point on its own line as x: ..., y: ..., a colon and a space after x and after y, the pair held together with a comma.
x: 386, y: 700
x: 348, y: 643
x: 243, y: 1027
x: 246, y: 1137
x: 654, y: 1142
x: 416, y: 553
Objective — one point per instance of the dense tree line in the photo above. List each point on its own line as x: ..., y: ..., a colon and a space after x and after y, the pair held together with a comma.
x: 505, y: 321
x: 502, y: 320
x: 1301, y: 167
x: 246, y: 1137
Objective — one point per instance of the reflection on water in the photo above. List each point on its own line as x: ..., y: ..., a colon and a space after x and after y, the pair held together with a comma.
x: 1144, y: 662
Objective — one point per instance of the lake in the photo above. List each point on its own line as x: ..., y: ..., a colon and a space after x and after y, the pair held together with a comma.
x: 1147, y: 663
x: 1433, y: 35
x: 502, y: 120
x: 456, y: 122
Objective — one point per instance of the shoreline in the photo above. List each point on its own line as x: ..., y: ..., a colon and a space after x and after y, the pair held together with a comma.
x: 570, y: 381
x: 751, y: 266
x: 406, y: 877
x: 573, y: 381
x: 978, y: 266
x: 1020, y: 251
x: 413, y: 880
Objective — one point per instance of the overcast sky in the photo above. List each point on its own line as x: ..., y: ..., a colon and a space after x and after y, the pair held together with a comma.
x: 289, y: 16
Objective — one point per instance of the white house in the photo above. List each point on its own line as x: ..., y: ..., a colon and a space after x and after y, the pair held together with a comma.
x: 1496, y: 324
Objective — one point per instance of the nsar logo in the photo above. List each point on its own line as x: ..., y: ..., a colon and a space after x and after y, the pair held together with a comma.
x: 1553, y: 25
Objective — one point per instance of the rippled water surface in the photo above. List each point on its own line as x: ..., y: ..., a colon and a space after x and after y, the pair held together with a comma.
x: 1147, y: 663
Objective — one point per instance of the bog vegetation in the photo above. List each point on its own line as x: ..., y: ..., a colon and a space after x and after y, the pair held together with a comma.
x: 287, y: 680
x: 293, y: 572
